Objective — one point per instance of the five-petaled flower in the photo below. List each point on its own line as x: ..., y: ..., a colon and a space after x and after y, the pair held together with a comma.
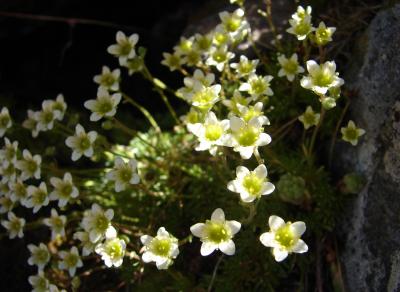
x: 105, y: 105
x: 81, y: 143
x: 70, y: 260
x: 124, y: 174
x: 351, y: 133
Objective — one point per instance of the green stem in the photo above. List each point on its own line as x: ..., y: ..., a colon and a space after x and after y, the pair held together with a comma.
x: 314, y: 135
x: 271, y: 24
x: 214, y: 275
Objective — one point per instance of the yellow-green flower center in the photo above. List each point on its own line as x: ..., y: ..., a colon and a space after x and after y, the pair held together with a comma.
x: 114, y: 249
x: 285, y: 237
x: 101, y: 222
x: 213, y: 132
x: 84, y: 143
x: 204, y: 43
x: 220, y: 38
x: 232, y: 24
x: 302, y: 28
x: 4, y: 120
x: 66, y: 190
x: 107, y: 79
x: 203, y: 98
x: 309, y: 118
x: 245, y: 68
x: 125, y: 48
x: 31, y: 166
x: 351, y: 134
x: 258, y: 86
x: 248, y: 136
x: 251, y: 113
x: 253, y: 184
x: 41, y: 256
x: 125, y: 174
x: 39, y: 197
x: 71, y: 260
x: 216, y: 232
x: 290, y: 67
x: 323, y: 79
x: 161, y: 247
x: 219, y: 56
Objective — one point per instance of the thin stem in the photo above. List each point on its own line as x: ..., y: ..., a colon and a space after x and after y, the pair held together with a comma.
x: 314, y: 135
x: 271, y: 24
x: 214, y: 275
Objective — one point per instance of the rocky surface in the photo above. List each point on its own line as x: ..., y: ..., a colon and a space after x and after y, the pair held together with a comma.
x: 371, y: 227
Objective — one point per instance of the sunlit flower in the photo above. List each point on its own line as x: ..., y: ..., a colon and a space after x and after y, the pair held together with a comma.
x: 234, y: 23
x: 211, y: 133
x: 88, y: 246
x: 172, y: 61
x: 323, y: 34
x: 105, y: 105
x: 251, y: 185
x: 40, y: 255
x: 124, y: 49
x: 199, y: 77
x: 351, y: 133
x: 257, y: 86
x: 108, y: 79
x: 70, y: 260
x: 321, y: 77
x: 5, y: 121
x: 289, y: 67
x: 216, y: 233
x: 192, y: 58
x: 236, y: 100
x: 124, y: 174
x: 284, y: 238
x: 219, y: 57
x: 204, y: 97
x: 37, y: 197
x: 301, y: 23
x: 56, y: 223
x: 203, y: 43
x: 309, y: 118
x: 14, y: 225
x: 252, y: 111
x: 9, y: 151
x: 81, y: 143
x: 64, y: 189
x: 245, y: 66
x: 29, y: 165
x: 97, y: 222
x: 184, y: 46
x: 112, y: 250
x: 162, y: 249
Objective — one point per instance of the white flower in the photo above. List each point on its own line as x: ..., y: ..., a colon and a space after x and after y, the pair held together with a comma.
x: 70, y: 260
x: 97, y: 222
x: 29, y: 165
x: 184, y: 46
x: 14, y: 225
x: 199, y: 77
x: 88, y: 246
x: 289, y: 67
x: 56, y: 224
x: 257, y: 86
x: 104, y: 106
x: 6, y: 204
x: 203, y: 43
x: 37, y: 197
x: 18, y: 191
x: 81, y: 143
x: 321, y: 77
x: 216, y: 233
x: 247, y: 137
x: 172, y: 61
x: 252, y: 111
x: 236, y: 100
x: 204, y: 97
x: 245, y: 66
x: 301, y: 23
x: 211, y: 133
x: 284, y: 238
x: 40, y: 255
x: 234, y: 23
x: 323, y: 34
x: 7, y: 172
x: 40, y: 283
x: 31, y: 123
x: 192, y: 58
x: 309, y: 118
x: 351, y: 133
x: 251, y: 184
x: 60, y: 105
x: 108, y: 79
x: 112, y: 250
x: 46, y: 117
x: 124, y: 174
x: 64, y: 189
x: 124, y: 49
x: 219, y: 57
x: 9, y: 151
x: 5, y: 121
x: 161, y: 249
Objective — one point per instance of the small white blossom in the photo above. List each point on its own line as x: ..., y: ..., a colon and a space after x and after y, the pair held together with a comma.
x: 252, y: 111
x: 104, y: 106
x: 64, y: 189
x: 56, y: 223
x: 97, y: 222
x: 46, y: 117
x: 162, y: 249
x: 18, y: 191
x: 108, y: 79
x: 29, y: 165
x: 40, y: 283
x: 60, y: 105
x: 37, y: 197
x: 81, y: 143
x: 70, y: 260
x: 323, y: 34
x: 31, y: 123
x: 219, y: 57
x: 40, y: 255
x: 236, y: 100
x: 251, y: 185
x: 245, y: 66
x: 9, y: 151
x: 14, y: 225
x: 172, y: 61
x: 7, y: 172
x: 289, y: 67
x: 301, y: 23
x: 124, y: 174
x: 309, y: 118
x: 5, y: 121
x: 184, y: 46
x: 204, y: 97
x: 351, y: 133
x: 203, y: 43
x: 88, y: 246
x: 112, y: 250
x: 211, y: 133
x: 124, y: 49
x: 321, y: 77
x: 234, y: 24
x: 216, y: 233
x: 257, y: 86
x: 6, y: 204
x: 284, y: 238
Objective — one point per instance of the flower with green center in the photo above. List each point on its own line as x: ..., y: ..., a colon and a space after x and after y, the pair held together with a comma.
x: 124, y: 174
x: 309, y: 118
x: 112, y: 250
x: 64, y: 189
x: 284, y: 238
x: 7, y: 172
x: 104, y: 106
x: 31, y: 123
x: 219, y: 56
x: 40, y: 255
x: 29, y: 165
x: 289, y: 67
x: 351, y: 133
x: 204, y: 97
x: 81, y: 143
x: 97, y: 222
x: 234, y: 24
x: 236, y: 100
x: 70, y: 260
x: 108, y: 79
x: 220, y: 38
x: 88, y: 246
x: 247, y: 137
x: 172, y: 61
x: 321, y: 77
x: 124, y: 49
x: 14, y: 225
x: 192, y: 117
x: 192, y: 58
x: 60, y: 106
x: 46, y: 117
x: 18, y: 191
x: 257, y: 86
x: 9, y: 151
x: 5, y: 121
x: 40, y: 283
x: 134, y: 65
x: 251, y: 185
x: 245, y: 66
x: 253, y: 111
x: 211, y: 133
x: 162, y: 249
x: 216, y: 234
x: 184, y: 46
x: 203, y: 43
x: 323, y: 34
x: 6, y: 204
x: 301, y: 23
x: 37, y: 197
x: 56, y: 224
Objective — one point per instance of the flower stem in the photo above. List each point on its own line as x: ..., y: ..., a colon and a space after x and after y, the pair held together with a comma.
x: 214, y: 275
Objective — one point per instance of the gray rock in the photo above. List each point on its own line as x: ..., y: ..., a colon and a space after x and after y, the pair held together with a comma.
x: 371, y: 227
